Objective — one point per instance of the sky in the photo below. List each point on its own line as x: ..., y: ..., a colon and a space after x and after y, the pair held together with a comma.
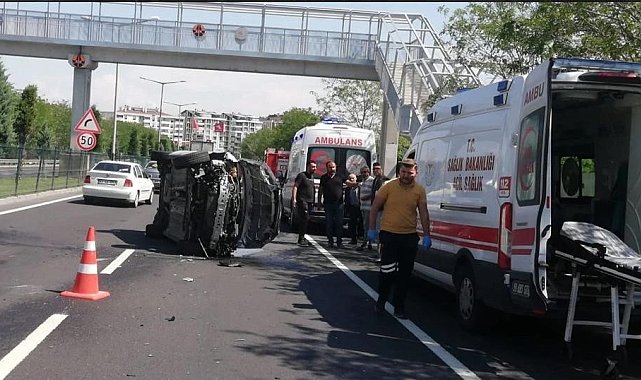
x: 219, y: 91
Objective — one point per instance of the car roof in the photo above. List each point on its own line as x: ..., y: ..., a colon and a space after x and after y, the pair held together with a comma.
x: 117, y: 162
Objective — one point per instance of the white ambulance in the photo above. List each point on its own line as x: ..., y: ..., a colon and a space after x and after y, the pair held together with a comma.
x: 350, y: 147
x: 506, y: 164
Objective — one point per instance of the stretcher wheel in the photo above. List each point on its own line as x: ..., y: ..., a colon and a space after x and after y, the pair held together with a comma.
x: 622, y: 354
x: 568, y: 352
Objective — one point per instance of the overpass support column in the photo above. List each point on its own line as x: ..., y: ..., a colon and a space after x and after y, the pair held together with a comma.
x: 389, y: 141
x: 81, y: 100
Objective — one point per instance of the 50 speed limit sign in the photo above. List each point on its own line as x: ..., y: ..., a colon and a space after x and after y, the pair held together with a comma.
x: 86, y: 141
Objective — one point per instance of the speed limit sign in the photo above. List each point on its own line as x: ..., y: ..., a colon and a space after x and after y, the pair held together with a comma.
x: 86, y: 141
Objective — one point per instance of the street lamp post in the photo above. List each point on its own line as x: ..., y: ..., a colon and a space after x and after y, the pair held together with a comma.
x: 162, y: 92
x: 113, y: 142
x: 180, y: 106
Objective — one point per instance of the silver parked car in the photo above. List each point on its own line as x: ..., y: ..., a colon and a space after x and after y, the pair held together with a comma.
x: 151, y: 168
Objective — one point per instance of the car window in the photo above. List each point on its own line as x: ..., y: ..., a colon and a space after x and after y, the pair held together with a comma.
x: 137, y: 171
x: 112, y: 167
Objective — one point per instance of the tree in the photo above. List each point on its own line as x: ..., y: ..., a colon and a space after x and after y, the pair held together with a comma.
x: 43, y: 137
x: 404, y: 143
x: 23, y: 125
x: 56, y: 117
x: 7, y: 105
x: 133, y: 146
x: 510, y: 38
x: 358, y: 101
x: 280, y: 137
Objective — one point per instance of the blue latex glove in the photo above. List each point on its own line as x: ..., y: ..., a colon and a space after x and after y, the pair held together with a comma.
x: 427, y: 242
x: 372, y: 235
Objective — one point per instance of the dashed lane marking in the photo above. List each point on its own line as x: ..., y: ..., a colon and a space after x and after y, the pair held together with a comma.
x: 422, y: 336
x: 24, y: 348
x: 116, y: 263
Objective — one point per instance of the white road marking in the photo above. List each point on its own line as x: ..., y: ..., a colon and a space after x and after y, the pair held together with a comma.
x: 116, y: 263
x: 22, y: 350
x: 38, y: 205
x: 422, y: 336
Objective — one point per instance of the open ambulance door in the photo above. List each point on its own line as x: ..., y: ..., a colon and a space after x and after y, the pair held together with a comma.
x: 531, y: 208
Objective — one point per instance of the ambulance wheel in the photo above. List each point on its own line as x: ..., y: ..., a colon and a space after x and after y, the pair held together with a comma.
x: 471, y: 312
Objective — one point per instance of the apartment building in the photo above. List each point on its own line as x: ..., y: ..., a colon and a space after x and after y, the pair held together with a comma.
x: 222, y: 130
x: 170, y: 126
x: 218, y: 130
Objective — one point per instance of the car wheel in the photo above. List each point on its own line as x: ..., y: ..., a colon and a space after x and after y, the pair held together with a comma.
x: 134, y: 204
x: 471, y: 312
x: 150, y: 201
x: 153, y: 231
x: 159, y: 156
x: 190, y: 159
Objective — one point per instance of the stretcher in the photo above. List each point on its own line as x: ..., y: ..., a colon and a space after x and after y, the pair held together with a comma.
x: 597, y: 254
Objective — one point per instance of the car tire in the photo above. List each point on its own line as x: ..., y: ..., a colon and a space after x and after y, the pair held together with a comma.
x: 153, y: 231
x: 150, y: 201
x: 470, y: 310
x: 134, y: 204
x: 190, y: 159
x: 159, y: 156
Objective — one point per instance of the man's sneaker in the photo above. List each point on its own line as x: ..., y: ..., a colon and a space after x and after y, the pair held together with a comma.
x: 369, y: 246
x: 400, y: 314
x: 304, y: 243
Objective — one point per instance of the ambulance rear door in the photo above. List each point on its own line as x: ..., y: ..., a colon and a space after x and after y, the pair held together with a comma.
x: 531, y: 213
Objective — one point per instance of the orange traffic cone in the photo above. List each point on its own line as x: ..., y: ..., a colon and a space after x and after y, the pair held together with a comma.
x: 86, y: 285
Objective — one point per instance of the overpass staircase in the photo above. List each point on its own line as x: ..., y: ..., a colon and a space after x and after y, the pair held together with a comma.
x: 412, y: 64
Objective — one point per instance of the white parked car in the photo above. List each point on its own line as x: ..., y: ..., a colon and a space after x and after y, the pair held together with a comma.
x: 118, y: 180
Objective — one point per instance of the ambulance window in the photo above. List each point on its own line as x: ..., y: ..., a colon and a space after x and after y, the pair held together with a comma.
x: 321, y: 155
x: 577, y: 177
x: 529, y: 160
x: 355, y: 160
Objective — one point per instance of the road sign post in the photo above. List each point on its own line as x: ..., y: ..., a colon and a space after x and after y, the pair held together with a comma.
x: 86, y: 130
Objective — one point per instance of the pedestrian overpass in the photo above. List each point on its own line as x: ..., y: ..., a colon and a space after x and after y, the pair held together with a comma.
x: 401, y: 51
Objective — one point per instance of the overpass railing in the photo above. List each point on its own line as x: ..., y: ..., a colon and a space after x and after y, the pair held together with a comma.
x: 104, y: 30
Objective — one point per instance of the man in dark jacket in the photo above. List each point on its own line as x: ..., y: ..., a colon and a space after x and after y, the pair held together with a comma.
x: 303, y: 199
x: 330, y: 194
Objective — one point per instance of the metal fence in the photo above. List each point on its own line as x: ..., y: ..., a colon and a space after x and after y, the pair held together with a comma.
x: 26, y: 170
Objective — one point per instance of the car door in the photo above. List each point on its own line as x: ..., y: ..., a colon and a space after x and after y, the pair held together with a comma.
x: 532, y: 214
x: 142, y: 182
x: 261, y: 200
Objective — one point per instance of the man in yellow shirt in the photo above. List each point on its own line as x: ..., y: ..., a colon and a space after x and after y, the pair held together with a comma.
x: 401, y: 197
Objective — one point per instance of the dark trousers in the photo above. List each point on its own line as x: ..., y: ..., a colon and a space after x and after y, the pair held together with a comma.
x: 334, y: 222
x: 398, y: 252
x: 354, y: 224
x: 302, y: 212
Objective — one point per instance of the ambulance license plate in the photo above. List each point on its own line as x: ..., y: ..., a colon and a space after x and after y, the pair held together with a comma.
x: 521, y: 289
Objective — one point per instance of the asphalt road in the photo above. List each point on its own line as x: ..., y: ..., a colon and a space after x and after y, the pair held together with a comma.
x: 285, y: 313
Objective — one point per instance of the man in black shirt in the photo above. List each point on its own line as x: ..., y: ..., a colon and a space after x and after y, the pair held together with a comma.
x: 330, y: 194
x: 303, y: 198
